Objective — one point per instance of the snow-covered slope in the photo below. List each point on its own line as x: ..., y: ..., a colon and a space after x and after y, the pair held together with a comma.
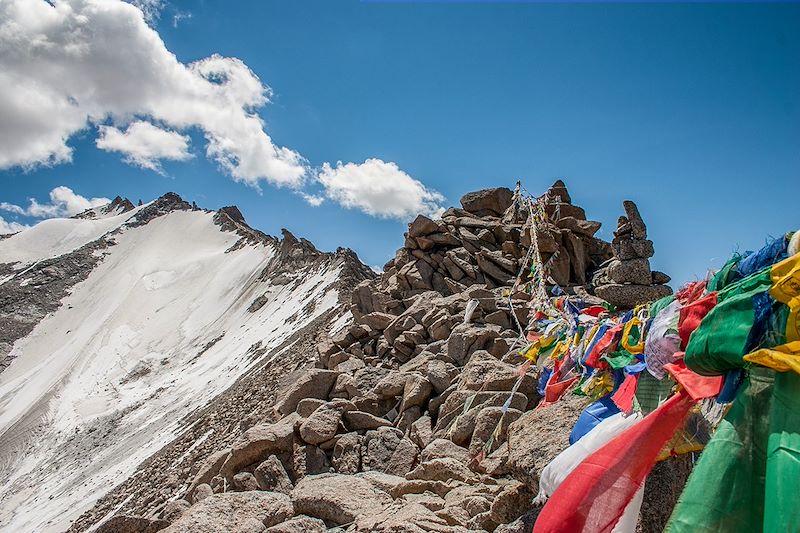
x: 58, y: 236
x: 180, y: 306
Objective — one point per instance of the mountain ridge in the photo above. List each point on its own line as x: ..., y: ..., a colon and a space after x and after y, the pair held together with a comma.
x: 108, y: 316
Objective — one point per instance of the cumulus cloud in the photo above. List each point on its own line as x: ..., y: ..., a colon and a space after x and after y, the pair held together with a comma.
x: 314, y: 200
x: 144, y: 144
x: 75, y: 65
x: 64, y: 202
x: 10, y: 226
x: 70, y: 65
x: 379, y: 189
x: 151, y: 9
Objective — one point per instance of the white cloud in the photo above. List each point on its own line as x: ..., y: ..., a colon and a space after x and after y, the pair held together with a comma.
x: 144, y: 144
x: 379, y: 189
x: 10, y: 226
x: 73, y: 64
x: 63, y: 203
x: 179, y: 16
x: 151, y: 9
x: 314, y: 200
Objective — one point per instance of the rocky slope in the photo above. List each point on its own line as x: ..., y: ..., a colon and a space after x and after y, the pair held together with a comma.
x: 121, y: 328
x: 420, y: 414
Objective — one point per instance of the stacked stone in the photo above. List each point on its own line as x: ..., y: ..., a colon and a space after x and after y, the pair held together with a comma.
x: 627, y: 280
x: 571, y: 236
x: 484, y: 242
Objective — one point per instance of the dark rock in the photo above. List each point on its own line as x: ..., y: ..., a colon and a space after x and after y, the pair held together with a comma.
x: 132, y: 524
x: 488, y: 201
x: 272, y: 476
x: 421, y: 225
x: 636, y: 271
x: 638, y: 228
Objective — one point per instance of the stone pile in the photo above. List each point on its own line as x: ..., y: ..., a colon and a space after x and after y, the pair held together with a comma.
x: 626, y: 280
x: 410, y: 420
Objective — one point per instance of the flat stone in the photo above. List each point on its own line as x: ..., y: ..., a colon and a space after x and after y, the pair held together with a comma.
x: 358, y: 420
x: 488, y: 201
x: 337, y: 498
x: 629, y: 296
x: 249, y: 511
x: 315, y: 383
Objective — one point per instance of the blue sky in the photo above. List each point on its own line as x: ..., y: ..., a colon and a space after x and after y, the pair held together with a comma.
x: 692, y: 111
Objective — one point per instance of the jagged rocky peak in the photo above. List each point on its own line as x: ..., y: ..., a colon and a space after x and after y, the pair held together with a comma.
x: 627, y: 279
x: 117, y: 206
x: 291, y: 246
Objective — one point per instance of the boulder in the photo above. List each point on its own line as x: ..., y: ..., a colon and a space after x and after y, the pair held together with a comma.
x: 511, y: 503
x: 174, y: 509
x: 245, y: 481
x: 377, y: 320
x: 271, y: 476
x: 306, y: 406
x: 454, y: 405
x: 467, y: 338
x: 201, y: 492
x: 443, y: 469
x: 391, y: 385
x: 422, y: 225
x: 358, y: 420
x: 416, y: 392
x: 407, y: 418
x: 493, y: 201
x: 314, y: 383
x: 581, y: 227
x: 558, y: 192
x: 412, y: 517
x: 338, y: 499
x: 209, y: 468
x: 539, y: 435
x: 321, y: 425
x: 485, y: 423
x: 132, y: 524
x: 347, y: 453
x: 442, y: 448
x: 638, y: 228
x: 421, y: 432
x: 440, y: 374
x: 382, y: 481
x: 388, y: 451
x: 486, y: 373
x: 632, y: 248
x: 308, y: 460
x: 259, y: 442
x: 234, y: 511
x: 635, y: 271
x: 299, y: 524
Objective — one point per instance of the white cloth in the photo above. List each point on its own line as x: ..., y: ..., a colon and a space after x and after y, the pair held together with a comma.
x: 662, y: 340
x: 564, y: 463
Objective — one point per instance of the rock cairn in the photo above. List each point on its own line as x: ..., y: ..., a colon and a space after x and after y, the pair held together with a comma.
x: 417, y: 416
x: 626, y: 280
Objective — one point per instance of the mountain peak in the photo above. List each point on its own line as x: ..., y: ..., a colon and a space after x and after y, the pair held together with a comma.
x: 117, y: 206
